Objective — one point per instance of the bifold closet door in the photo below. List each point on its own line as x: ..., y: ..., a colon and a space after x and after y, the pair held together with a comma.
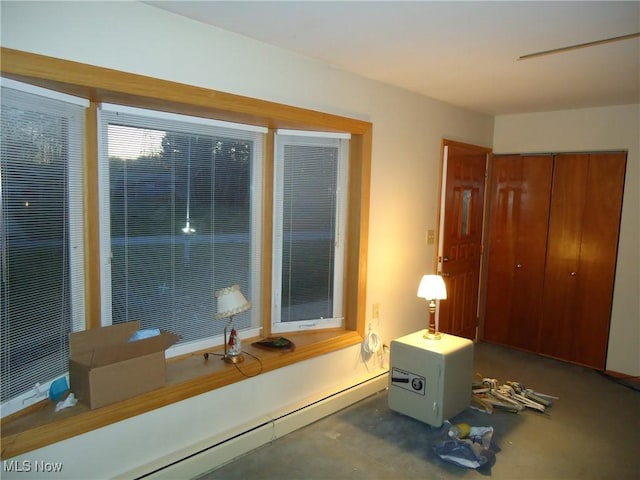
x: 584, y: 225
x: 520, y: 189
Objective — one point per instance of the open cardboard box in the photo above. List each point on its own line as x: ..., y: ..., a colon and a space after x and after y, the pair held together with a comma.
x: 105, y: 367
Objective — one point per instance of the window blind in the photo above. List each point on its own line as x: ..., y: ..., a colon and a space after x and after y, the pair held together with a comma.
x: 180, y: 219
x: 41, y: 236
x: 308, y: 246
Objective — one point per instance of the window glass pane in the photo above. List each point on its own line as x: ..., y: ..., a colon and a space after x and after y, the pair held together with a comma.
x: 182, y: 222
x: 41, y: 299
x: 308, y: 251
x: 465, y: 220
x: 308, y: 232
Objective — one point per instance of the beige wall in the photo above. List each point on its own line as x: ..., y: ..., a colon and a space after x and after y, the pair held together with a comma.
x: 408, y: 129
x: 407, y: 133
x: 592, y: 129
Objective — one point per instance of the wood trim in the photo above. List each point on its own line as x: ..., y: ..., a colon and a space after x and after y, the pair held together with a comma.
x: 267, y: 229
x: 38, y: 427
x: 92, y: 263
x: 622, y: 376
x: 186, y: 377
x: 106, y: 85
x: 358, y: 230
x: 465, y: 146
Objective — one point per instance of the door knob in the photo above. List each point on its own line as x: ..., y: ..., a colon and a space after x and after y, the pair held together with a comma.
x: 573, y: 274
x: 445, y: 259
x: 519, y: 265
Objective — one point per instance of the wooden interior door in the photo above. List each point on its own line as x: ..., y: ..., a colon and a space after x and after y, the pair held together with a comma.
x: 520, y: 196
x: 581, y: 256
x: 460, y: 236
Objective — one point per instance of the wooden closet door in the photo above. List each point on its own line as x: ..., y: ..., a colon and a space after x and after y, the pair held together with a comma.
x: 581, y: 256
x: 521, y: 188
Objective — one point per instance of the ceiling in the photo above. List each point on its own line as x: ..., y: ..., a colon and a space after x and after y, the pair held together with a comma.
x: 462, y: 53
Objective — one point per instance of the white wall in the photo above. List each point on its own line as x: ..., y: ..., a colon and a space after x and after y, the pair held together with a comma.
x: 593, y: 129
x: 408, y: 130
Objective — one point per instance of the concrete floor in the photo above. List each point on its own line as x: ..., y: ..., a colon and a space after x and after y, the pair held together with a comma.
x: 591, y: 432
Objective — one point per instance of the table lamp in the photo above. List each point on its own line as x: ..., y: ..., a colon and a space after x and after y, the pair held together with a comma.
x: 230, y: 302
x: 432, y: 288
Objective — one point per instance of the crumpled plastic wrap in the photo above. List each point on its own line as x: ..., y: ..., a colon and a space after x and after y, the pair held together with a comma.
x: 70, y: 401
x: 473, y: 451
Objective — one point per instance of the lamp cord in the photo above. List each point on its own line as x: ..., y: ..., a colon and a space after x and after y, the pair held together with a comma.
x: 206, y: 357
x: 256, y: 358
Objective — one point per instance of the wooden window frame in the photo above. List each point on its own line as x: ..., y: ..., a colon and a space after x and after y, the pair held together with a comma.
x: 190, y: 375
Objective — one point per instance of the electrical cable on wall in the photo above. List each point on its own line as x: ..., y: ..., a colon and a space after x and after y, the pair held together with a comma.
x: 372, y: 342
x: 372, y: 346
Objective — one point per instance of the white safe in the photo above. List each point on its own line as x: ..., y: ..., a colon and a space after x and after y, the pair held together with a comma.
x: 430, y: 380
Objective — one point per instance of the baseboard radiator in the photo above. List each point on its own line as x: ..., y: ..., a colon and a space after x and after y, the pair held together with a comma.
x: 215, y: 452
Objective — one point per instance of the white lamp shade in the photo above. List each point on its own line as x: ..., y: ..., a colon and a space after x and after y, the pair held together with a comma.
x: 230, y: 301
x: 432, y: 288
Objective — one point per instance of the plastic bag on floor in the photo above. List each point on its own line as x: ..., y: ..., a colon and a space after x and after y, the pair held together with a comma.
x: 468, y: 447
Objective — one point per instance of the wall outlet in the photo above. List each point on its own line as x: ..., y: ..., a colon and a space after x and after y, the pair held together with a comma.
x: 375, y: 313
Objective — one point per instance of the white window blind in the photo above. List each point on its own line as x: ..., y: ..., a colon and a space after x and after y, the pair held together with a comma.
x: 41, y: 237
x: 180, y: 219
x: 309, y: 218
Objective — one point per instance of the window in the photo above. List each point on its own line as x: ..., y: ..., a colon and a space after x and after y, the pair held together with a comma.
x: 41, y: 237
x: 180, y: 219
x: 112, y: 86
x: 309, y: 225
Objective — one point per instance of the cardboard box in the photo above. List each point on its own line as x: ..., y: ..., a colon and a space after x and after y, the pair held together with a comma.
x: 105, y: 367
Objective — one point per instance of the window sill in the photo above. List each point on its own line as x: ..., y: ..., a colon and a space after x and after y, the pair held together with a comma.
x: 187, y: 377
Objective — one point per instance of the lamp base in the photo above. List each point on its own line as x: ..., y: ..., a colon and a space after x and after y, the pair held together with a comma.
x: 432, y: 335
x: 432, y: 332
x: 234, y: 358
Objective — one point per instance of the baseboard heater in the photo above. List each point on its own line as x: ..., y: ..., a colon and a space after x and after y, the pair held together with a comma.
x: 215, y: 452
